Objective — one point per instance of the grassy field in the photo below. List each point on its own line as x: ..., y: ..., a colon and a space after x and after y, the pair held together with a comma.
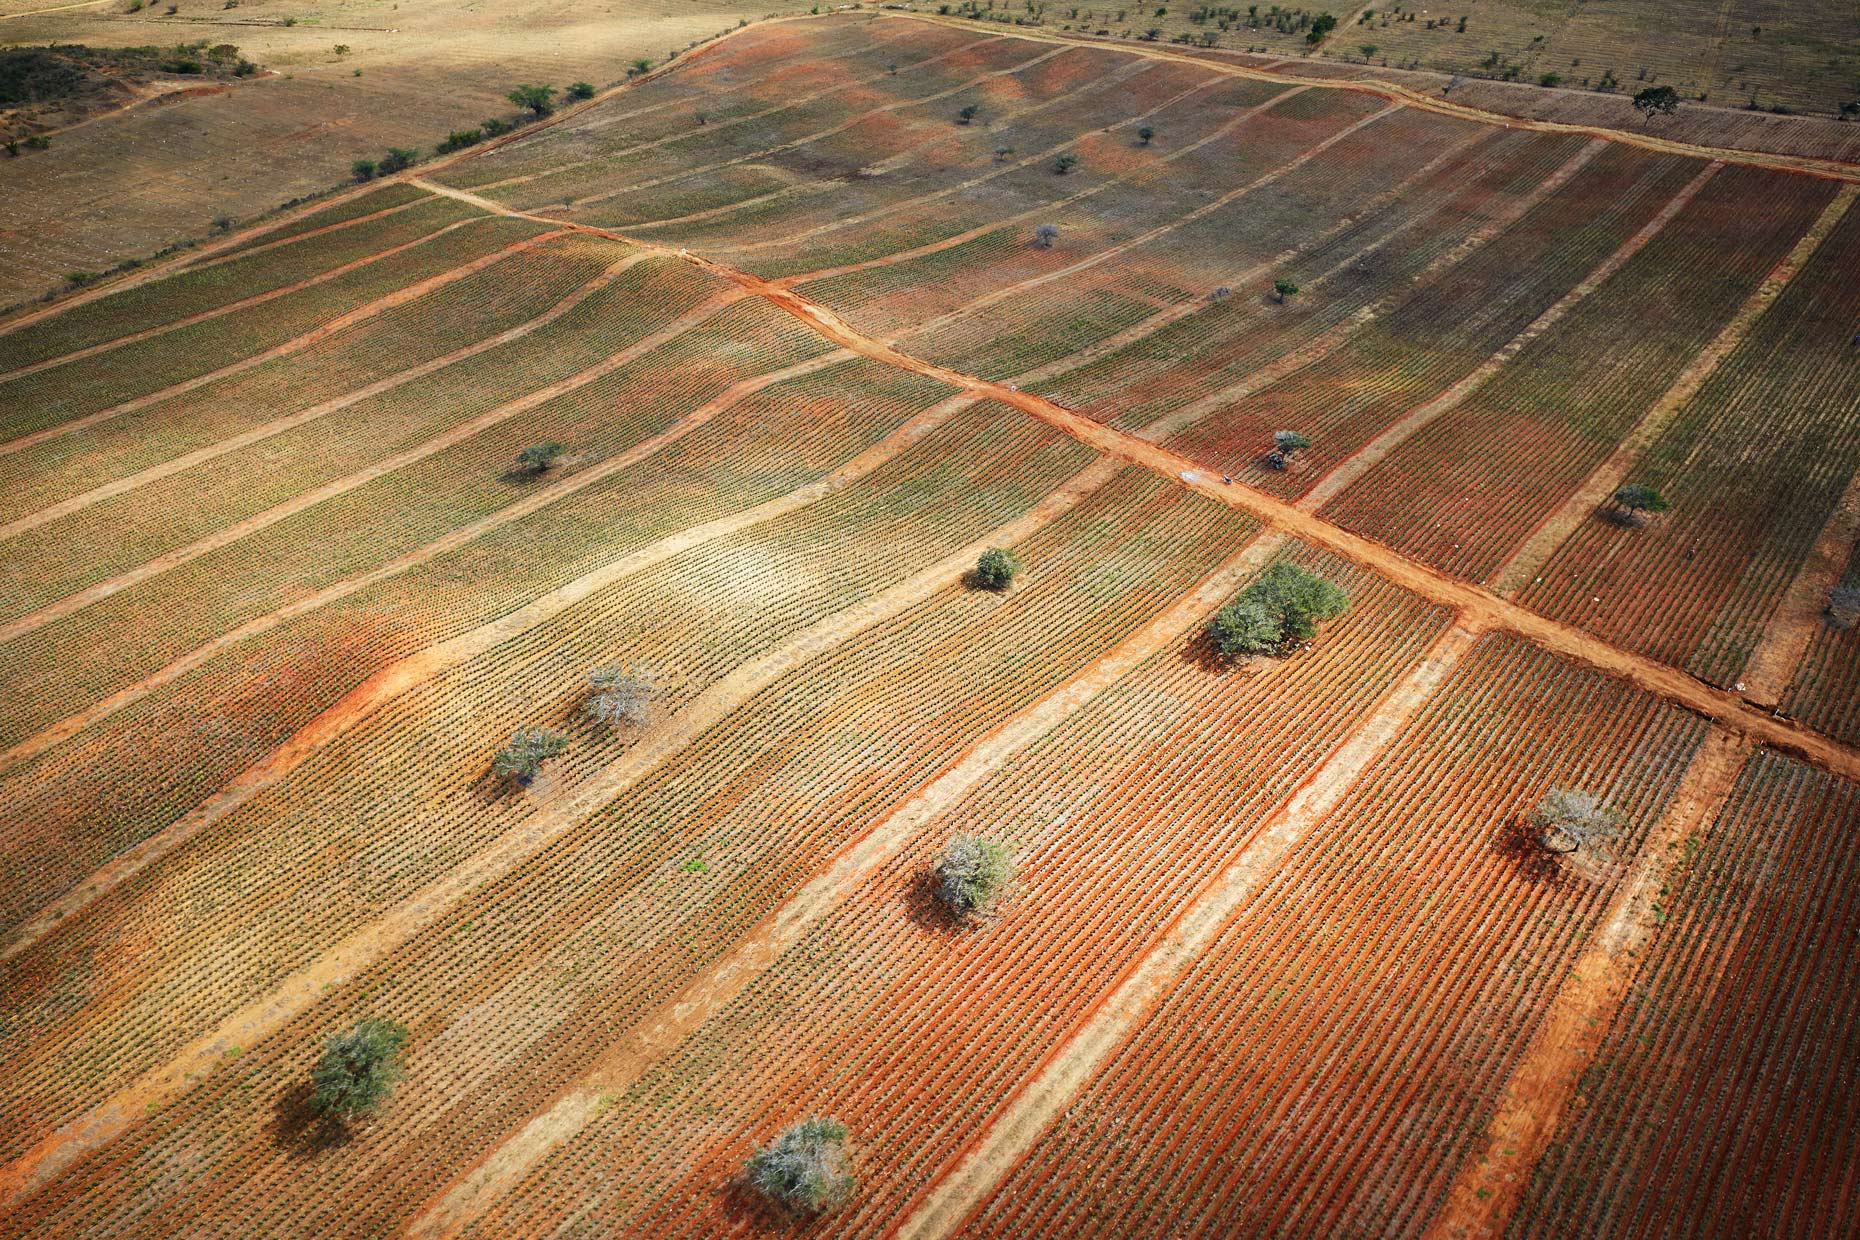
x: 810, y: 323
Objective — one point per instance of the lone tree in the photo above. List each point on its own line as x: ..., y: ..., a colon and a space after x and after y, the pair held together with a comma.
x: 581, y: 90
x: 996, y: 569
x: 620, y: 693
x: 1285, y: 445
x: 363, y: 169
x: 1002, y: 152
x: 539, y: 100
x: 357, y: 1069
x: 1636, y: 498
x: 1283, y: 288
x: 1844, y: 606
x: 1568, y: 818
x: 1221, y: 294
x: 529, y: 748
x: 806, y: 1167
x: 539, y: 457
x: 1045, y: 235
x: 1145, y: 134
x: 1276, y: 613
x: 1321, y: 25
x: 972, y: 875
x: 967, y: 114
x: 398, y: 159
x: 1065, y: 164
x: 1657, y: 101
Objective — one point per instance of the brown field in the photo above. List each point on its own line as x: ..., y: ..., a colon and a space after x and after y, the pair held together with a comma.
x: 1282, y: 955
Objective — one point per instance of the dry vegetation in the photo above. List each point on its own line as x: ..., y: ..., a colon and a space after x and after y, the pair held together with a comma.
x: 701, y: 671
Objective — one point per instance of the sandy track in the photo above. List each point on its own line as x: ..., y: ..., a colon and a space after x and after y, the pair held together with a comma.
x: 296, y: 344
x: 1535, y: 552
x: 652, y: 1037
x: 995, y: 1149
x: 1475, y: 604
x: 1367, y: 457
x: 1492, y: 1180
x: 457, y: 434
x: 299, y: 991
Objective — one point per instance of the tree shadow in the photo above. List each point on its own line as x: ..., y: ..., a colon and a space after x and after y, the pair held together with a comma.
x: 299, y: 1130
x: 925, y: 909
x: 747, y: 1209
x: 1517, y: 843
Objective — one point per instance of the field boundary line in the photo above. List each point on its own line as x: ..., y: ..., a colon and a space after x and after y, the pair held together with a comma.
x: 1339, y: 334
x: 296, y: 344
x: 1161, y: 230
x: 104, y: 346
x: 1535, y: 551
x: 453, y: 435
x: 302, y: 988
x: 995, y: 1148
x: 801, y: 101
x: 765, y: 152
x: 652, y: 1036
x: 1491, y: 1181
x: 1792, y: 626
x: 1826, y: 169
x: 1354, y: 466
x: 1472, y: 601
x: 400, y: 675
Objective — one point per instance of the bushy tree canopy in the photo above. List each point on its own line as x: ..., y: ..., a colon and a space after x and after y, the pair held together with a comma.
x: 806, y: 1167
x: 357, y: 1068
x: 972, y: 874
x: 1278, y: 611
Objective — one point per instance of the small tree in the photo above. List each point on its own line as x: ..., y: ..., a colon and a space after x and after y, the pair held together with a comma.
x: 806, y: 1167
x: 996, y: 569
x: 1657, y: 101
x: 529, y: 748
x: 1277, y: 612
x: 1145, y: 134
x: 398, y: 159
x: 1635, y: 498
x: 1368, y: 50
x: 1002, y: 152
x: 620, y: 693
x: 1045, y: 235
x: 1283, y: 288
x: 581, y: 90
x: 972, y: 875
x: 363, y: 169
x: 357, y: 1069
x: 1286, y: 445
x: 1065, y: 164
x: 1844, y: 606
x: 1221, y: 293
x: 639, y: 66
x: 967, y: 114
x: 538, y: 100
x: 1567, y: 818
x: 539, y: 457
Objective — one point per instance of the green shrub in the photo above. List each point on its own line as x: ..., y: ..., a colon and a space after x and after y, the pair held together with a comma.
x: 398, y: 159
x: 539, y: 100
x: 972, y: 874
x: 539, y: 457
x: 1279, y: 611
x: 996, y: 569
x: 806, y: 1167
x: 529, y: 748
x: 581, y: 90
x: 459, y: 139
x: 364, y: 169
x: 357, y: 1069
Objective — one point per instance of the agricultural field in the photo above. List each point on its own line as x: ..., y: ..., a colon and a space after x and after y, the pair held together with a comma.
x: 930, y: 628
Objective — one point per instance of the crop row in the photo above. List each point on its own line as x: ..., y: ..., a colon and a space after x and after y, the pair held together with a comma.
x: 408, y: 789
x: 518, y: 991
x: 1826, y: 691
x: 1325, y: 1065
x: 378, y: 198
x: 1723, y: 1100
x: 149, y: 763
x: 912, y: 1029
x: 1445, y: 329
x: 1752, y: 466
x: 199, y: 289
x: 512, y: 293
x: 64, y: 393
x: 120, y: 533
x: 1466, y: 490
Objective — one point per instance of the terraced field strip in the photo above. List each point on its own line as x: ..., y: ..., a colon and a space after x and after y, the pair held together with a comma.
x: 106, y: 1121
x: 994, y: 1151
x: 1297, y: 359
x: 277, y: 426
x: 455, y: 435
x: 1535, y: 552
x: 1798, y: 617
x: 230, y: 307
x: 1491, y: 1182
x: 1365, y: 458
x: 457, y: 1205
x: 1476, y: 604
x: 1826, y: 168
x: 297, y: 344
